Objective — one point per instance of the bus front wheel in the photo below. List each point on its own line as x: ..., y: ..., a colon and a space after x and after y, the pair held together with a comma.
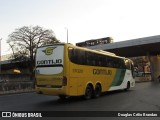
x: 88, y: 92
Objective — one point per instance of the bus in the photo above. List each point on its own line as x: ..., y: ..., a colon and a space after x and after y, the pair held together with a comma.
x: 66, y: 70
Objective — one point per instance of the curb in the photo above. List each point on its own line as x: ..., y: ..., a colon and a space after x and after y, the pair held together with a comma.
x: 143, y: 81
x: 15, y: 92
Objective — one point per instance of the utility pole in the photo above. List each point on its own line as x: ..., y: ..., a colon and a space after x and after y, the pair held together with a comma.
x: 67, y: 33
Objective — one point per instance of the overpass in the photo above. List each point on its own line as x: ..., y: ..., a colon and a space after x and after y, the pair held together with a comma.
x: 148, y: 46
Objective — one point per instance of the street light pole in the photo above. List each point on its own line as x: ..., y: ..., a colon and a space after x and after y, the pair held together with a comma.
x: 0, y: 58
x: 67, y: 33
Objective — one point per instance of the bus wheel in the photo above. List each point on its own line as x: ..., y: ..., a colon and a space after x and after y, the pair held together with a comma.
x: 88, y: 92
x: 98, y: 90
x: 62, y: 97
x: 128, y: 86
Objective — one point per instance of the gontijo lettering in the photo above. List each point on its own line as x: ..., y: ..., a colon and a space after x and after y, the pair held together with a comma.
x: 102, y: 72
x: 49, y: 62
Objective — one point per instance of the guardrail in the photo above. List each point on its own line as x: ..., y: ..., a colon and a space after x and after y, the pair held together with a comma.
x: 9, y: 87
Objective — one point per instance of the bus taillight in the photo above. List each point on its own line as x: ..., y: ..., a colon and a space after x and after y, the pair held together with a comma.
x: 64, y: 82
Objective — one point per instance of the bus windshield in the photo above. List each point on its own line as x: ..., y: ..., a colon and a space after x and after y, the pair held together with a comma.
x: 49, y: 60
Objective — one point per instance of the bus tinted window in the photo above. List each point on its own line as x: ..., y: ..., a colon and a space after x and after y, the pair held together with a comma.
x: 82, y: 57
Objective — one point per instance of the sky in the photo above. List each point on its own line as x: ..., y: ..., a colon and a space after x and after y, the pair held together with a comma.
x: 85, y: 19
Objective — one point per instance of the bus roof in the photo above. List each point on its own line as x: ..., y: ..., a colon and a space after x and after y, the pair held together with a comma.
x: 87, y: 49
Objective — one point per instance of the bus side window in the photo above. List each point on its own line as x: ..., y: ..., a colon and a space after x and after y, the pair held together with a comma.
x: 101, y: 61
x: 74, y: 55
x: 81, y: 57
x: 111, y: 62
x: 122, y: 64
x: 87, y: 58
x: 71, y: 54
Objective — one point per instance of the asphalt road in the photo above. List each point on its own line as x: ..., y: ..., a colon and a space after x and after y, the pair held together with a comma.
x: 144, y: 97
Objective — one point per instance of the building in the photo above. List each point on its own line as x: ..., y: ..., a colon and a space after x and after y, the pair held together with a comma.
x: 93, y: 42
x: 13, y: 70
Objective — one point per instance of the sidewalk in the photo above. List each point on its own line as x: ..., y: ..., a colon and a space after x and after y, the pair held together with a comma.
x: 142, y: 79
x: 15, y: 87
x: 15, y: 92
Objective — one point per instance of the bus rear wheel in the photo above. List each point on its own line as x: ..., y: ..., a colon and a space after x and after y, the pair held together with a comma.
x: 88, y: 92
x: 62, y: 97
x: 97, y: 91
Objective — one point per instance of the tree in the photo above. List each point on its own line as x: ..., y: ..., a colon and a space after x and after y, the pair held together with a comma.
x: 24, y: 42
